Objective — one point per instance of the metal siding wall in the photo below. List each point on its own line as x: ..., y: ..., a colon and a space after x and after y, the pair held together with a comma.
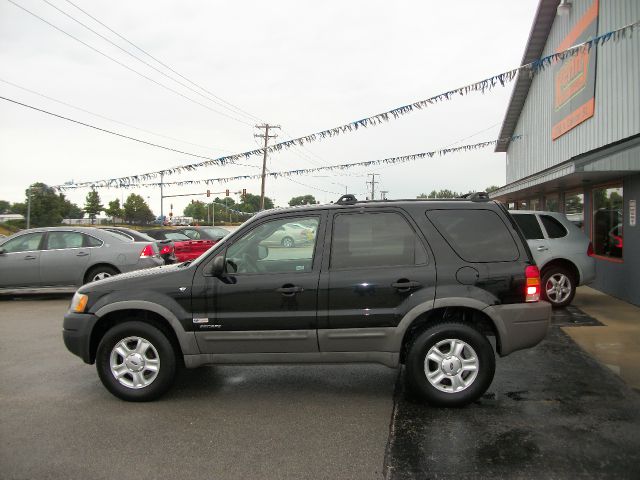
x: 617, y: 104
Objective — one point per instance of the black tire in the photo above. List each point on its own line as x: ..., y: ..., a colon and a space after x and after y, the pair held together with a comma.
x: 288, y: 242
x: 160, y: 350
x: 415, y: 371
x: 560, y: 298
x: 103, y: 271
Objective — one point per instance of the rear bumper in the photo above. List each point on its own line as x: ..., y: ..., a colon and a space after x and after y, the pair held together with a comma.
x: 76, y: 332
x: 520, y: 325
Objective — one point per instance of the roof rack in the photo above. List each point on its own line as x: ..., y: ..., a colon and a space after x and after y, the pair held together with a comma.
x: 348, y: 199
x: 476, y: 196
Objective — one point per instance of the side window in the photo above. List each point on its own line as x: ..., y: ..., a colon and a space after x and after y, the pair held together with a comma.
x: 476, y: 235
x: 553, y: 227
x: 59, y: 240
x: 192, y: 234
x: 374, y: 240
x: 278, y: 246
x: 93, y: 241
x: 529, y: 225
x: 23, y: 243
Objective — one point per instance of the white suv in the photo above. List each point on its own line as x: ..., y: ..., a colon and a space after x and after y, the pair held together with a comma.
x: 562, y: 252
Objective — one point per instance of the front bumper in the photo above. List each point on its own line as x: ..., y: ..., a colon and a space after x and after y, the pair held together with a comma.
x: 520, y: 325
x: 76, y: 332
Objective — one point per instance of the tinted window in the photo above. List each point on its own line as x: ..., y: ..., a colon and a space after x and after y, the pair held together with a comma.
x: 92, y: 241
x: 374, y: 240
x: 476, y: 235
x: 23, y: 243
x: 176, y: 236
x: 529, y: 225
x: 59, y: 240
x: 274, y: 247
x: 553, y: 227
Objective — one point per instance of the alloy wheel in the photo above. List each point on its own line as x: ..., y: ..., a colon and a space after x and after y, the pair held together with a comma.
x: 134, y: 362
x: 451, y: 365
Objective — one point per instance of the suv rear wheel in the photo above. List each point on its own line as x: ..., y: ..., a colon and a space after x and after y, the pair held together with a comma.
x: 558, y: 287
x: 136, y: 362
x: 450, y: 365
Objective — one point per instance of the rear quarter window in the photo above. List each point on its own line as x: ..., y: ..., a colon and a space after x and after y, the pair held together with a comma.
x: 553, y: 227
x: 529, y: 225
x: 476, y: 235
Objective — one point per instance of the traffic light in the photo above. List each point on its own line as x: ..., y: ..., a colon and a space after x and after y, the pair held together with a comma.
x: 244, y: 192
x: 208, y: 193
x: 226, y: 193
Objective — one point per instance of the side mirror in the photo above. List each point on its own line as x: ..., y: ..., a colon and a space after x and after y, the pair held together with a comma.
x: 216, y: 267
x: 263, y: 252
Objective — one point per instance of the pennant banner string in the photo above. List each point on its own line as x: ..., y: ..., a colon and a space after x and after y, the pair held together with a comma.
x: 284, y: 174
x: 481, y: 86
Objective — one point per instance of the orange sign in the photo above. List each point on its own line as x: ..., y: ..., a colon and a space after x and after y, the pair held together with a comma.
x: 575, y: 78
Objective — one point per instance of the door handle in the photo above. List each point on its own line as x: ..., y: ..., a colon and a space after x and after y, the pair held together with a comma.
x: 406, y: 285
x: 30, y: 257
x: 289, y: 290
x: 82, y: 254
x: 542, y: 249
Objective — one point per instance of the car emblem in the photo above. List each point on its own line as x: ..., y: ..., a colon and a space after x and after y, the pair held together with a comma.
x: 182, y: 289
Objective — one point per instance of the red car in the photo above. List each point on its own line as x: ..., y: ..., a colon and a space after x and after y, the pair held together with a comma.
x: 185, y: 248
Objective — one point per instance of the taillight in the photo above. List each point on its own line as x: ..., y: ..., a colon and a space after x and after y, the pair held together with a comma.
x: 147, y: 252
x: 165, y: 250
x: 590, y: 250
x: 532, y: 293
x: 617, y: 241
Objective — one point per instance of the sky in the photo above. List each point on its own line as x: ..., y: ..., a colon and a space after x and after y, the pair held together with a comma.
x: 306, y: 66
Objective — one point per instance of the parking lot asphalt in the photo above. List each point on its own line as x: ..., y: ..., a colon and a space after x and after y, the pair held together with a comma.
x: 58, y: 422
x: 551, y: 412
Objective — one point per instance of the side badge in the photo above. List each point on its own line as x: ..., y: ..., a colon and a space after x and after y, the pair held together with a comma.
x: 200, y: 320
x: 182, y: 289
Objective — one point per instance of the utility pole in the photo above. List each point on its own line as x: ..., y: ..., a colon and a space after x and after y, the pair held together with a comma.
x: 161, y: 197
x: 266, y: 137
x: 373, y: 185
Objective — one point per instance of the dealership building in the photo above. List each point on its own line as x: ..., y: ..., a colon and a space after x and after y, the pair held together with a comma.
x: 575, y: 130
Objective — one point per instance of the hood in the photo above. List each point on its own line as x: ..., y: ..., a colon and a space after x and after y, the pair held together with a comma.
x: 122, y: 280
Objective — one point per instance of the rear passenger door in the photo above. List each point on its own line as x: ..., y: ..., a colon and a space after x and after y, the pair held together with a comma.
x: 65, y: 258
x: 377, y: 269
x: 538, y: 244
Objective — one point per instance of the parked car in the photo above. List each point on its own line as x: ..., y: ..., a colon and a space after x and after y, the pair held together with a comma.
x: 562, y: 252
x: 422, y: 283
x: 165, y: 247
x: 204, y: 233
x: 69, y: 256
x: 184, y: 248
x: 291, y: 235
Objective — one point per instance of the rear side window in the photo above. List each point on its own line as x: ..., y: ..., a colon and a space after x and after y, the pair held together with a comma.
x: 529, y: 225
x: 476, y: 235
x: 553, y: 227
x: 374, y: 240
x: 92, y: 241
x: 62, y: 240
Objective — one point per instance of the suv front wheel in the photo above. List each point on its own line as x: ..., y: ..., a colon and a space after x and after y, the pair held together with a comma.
x: 450, y: 365
x: 136, y: 362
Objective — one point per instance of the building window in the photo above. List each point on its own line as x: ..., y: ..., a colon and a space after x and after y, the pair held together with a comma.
x: 534, y: 204
x: 574, y: 208
x: 551, y: 203
x: 607, y: 235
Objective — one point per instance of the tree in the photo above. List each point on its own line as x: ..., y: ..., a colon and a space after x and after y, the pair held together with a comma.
x: 251, y: 203
x: 196, y: 209
x: 491, y: 188
x: 70, y: 209
x: 136, y: 210
x: 5, y: 206
x: 446, y: 193
x: 92, y: 205
x: 47, y: 207
x: 302, y: 200
x: 115, y: 210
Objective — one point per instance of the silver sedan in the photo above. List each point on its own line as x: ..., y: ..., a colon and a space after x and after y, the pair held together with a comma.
x: 69, y: 256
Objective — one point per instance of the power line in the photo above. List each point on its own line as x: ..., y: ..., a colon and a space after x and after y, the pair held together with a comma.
x: 109, y: 131
x: 127, y: 66
x: 139, y: 59
x: 164, y: 64
x: 110, y: 119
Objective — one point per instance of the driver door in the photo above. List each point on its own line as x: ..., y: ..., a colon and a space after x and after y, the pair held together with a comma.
x: 267, y: 300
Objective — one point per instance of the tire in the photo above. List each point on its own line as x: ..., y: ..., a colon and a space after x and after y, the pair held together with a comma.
x: 145, y: 373
x: 450, y: 389
x: 288, y: 242
x: 558, y: 287
x: 99, y: 273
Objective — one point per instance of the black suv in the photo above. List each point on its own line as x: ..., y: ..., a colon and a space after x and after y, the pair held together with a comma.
x: 422, y: 283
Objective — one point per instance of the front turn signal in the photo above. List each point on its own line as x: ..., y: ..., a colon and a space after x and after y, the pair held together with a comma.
x: 78, y: 303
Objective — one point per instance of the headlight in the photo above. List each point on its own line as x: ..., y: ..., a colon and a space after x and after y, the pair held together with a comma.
x: 78, y: 303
